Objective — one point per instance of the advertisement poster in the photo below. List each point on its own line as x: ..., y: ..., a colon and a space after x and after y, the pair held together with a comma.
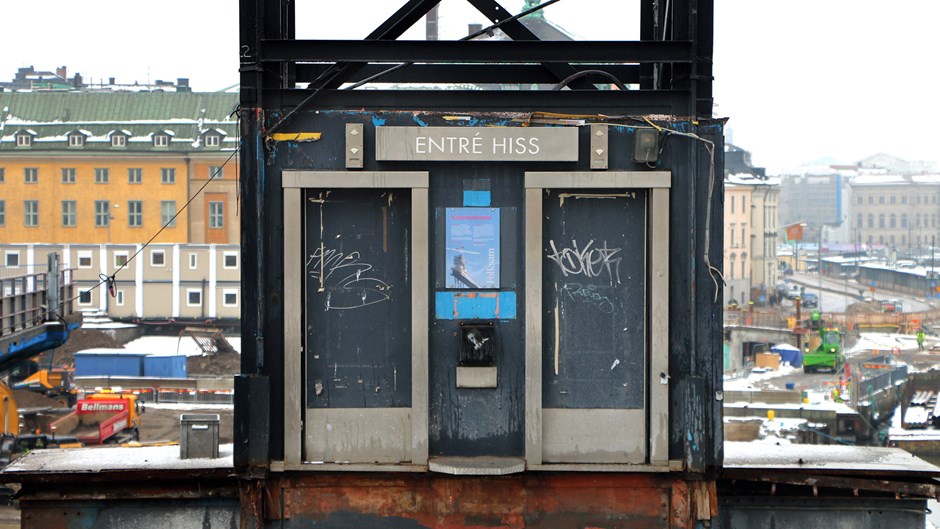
x: 472, y: 243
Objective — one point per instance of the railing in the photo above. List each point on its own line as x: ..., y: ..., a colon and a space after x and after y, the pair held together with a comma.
x: 24, y: 297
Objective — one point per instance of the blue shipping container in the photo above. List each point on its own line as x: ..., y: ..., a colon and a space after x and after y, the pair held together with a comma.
x: 165, y: 366
x: 109, y: 364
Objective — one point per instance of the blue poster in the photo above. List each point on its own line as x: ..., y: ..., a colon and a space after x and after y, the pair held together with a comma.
x: 472, y: 243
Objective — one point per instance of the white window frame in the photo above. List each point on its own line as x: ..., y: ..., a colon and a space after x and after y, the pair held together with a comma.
x: 3, y: 213
x: 69, y: 175
x: 82, y: 255
x: 118, y: 264
x: 225, y: 256
x: 167, y: 217
x: 118, y: 140
x: 85, y: 293
x: 213, y: 140
x: 69, y: 217
x: 30, y: 175
x: 193, y: 261
x: 190, y: 291
x: 227, y: 292
x: 135, y: 219
x: 7, y: 260
x: 135, y: 172
x: 161, y: 140
x: 153, y: 258
x: 28, y: 217
x: 216, y: 218
x: 168, y: 175
x: 119, y: 298
x: 216, y: 171
x: 76, y: 140
x: 102, y: 175
x: 24, y: 140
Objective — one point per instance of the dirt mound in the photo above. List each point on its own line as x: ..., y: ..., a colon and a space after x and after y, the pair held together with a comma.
x: 863, y: 307
x: 219, y: 364
x: 79, y: 340
x: 31, y: 399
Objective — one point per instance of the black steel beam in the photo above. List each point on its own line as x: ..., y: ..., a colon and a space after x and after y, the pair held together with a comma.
x: 652, y: 102
x: 479, y: 52
x: 517, y: 31
x: 391, y: 29
x: 469, y: 73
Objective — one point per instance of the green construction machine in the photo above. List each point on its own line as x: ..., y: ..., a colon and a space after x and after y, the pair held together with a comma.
x: 828, y: 354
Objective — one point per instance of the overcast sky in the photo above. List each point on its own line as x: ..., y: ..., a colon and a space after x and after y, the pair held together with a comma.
x: 800, y: 80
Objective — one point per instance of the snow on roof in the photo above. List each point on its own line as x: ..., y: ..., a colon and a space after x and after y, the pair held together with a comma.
x: 893, y: 179
x: 824, y: 457
x: 882, y: 342
x: 173, y: 345
x: 93, y: 460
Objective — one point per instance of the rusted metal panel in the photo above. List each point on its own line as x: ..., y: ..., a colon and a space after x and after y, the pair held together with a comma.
x: 526, y: 500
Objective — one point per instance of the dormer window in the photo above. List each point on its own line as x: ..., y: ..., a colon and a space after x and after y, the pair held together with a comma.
x: 161, y: 140
x: 118, y: 140
x: 212, y: 140
x: 76, y: 140
x: 24, y: 140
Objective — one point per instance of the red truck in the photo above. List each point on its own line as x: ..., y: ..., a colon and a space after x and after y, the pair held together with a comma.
x: 101, y: 419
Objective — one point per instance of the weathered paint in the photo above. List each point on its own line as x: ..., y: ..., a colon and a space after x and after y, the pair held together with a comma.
x: 556, y: 501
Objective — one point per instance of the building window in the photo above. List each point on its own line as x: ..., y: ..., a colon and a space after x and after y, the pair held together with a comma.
x: 904, y: 200
x: 119, y: 295
x: 102, y: 213
x: 216, y: 215
x: 157, y: 258
x: 881, y: 199
x: 3, y: 175
x: 871, y: 220
x: 193, y: 297
x: 31, y: 213
x: 3, y: 213
x: 871, y: 199
x: 229, y: 298
x: 192, y: 261
x: 858, y: 220
x: 881, y: 220
x: 118, y: 140
x: 894, y: 220
x: 84, y: 297
x: 101, y: 175
x: 135, y: 213
x: 84, y: 259
x: 76, y: 140
x: 167, y: 213
x: 858, y: 200
x: 168, y: 175
x: 731, y: 231
x: 120, y: 259
x: 230, y: 260
x: 731, y: 268
x: 892, y: 199
x: 903, y: 220
x: 31, y: 175
x: 13, y: 258
x: 24, y: 140
x: 732, y: 204
x: 68, y: 213
x: 161, y: 140
x: 917, y: 220
x: 212, y: 140
x: 68, y: 175
x: 135, y: 175
x: 216, y: 171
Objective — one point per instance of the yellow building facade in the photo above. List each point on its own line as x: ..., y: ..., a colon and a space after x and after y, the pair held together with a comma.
x: 100, y: 168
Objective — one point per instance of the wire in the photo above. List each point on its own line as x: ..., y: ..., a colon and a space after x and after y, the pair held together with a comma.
x: 564, y: 82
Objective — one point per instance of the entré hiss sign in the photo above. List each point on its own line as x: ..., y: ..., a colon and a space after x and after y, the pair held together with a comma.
x: 559, y: 144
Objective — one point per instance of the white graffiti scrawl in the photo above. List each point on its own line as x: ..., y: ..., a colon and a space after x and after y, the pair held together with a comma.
x: 344, y: 278
x: 588, y: 261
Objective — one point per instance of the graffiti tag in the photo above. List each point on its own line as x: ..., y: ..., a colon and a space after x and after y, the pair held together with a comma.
x: 588, y: 261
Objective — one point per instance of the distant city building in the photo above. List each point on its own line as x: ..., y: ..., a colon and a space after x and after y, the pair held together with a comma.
x: 107, y: 167
x: 896, y: 211
x: 750, y: 231
x: 30, y: 79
